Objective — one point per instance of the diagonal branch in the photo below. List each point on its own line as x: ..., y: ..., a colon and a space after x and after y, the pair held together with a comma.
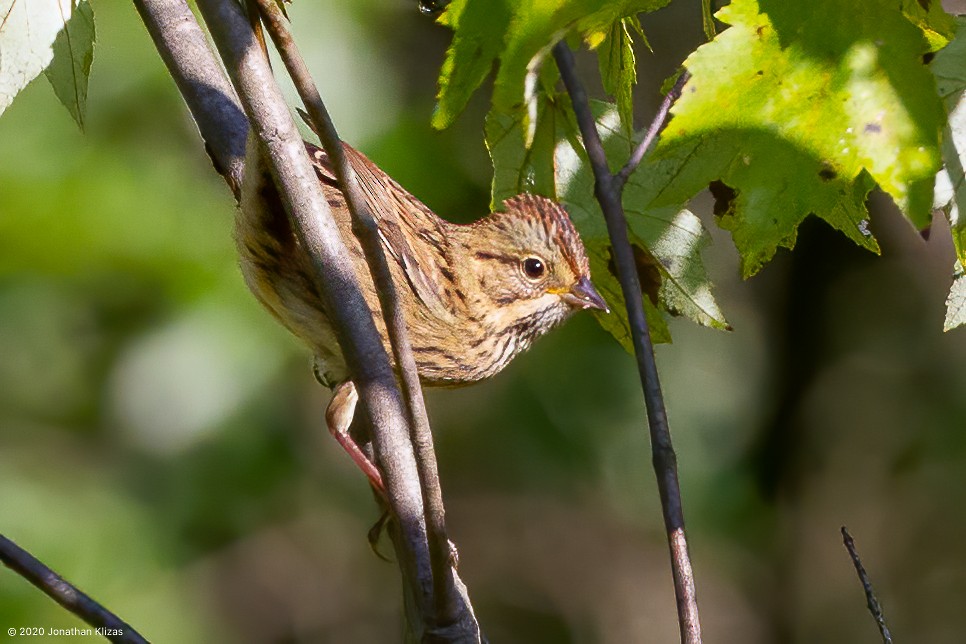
x: 66, y: 594
x: 608, y: 188
x: 450, y: 608
x: 874, y: 608
x: 653, y: 130
x: 201, y: 81
x: 223, y: 125
x: 316, y: 230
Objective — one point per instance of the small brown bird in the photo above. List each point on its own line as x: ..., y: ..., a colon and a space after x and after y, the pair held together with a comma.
x: 474, y: 296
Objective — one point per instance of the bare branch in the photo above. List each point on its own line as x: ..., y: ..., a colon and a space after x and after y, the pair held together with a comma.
x: 317, y: 232
x: 607, y: 189
x: 66, y: 594
x: 223, y: 125
x: 201, y: 81
x: 870, y: 597
x: 653, y: 130
x: 451, y: 609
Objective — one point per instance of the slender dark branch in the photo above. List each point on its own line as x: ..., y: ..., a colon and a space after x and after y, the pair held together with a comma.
x: 201, y: 81
x: 607, y: 189
x: 318, y: 234
x: 653, y: 130
x: 66, y: 594
x: 450, y: 609
x: 870, y: 597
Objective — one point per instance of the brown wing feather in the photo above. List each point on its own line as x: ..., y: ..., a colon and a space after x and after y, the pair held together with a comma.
x: 412, y: 234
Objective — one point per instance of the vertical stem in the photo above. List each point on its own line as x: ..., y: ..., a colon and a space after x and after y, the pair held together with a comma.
x: 608, y: 189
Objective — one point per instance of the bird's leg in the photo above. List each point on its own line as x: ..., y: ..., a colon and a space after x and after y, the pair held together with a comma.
x: 338, y: 417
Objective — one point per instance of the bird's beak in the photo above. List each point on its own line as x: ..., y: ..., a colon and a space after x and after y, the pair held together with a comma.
x: 583, y: 295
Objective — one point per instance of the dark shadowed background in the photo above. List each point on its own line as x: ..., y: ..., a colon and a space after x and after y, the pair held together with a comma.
x: 161, y: 441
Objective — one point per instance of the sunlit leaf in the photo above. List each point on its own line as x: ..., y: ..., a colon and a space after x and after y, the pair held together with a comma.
x: 949, y: 67
x: 618, y: 70
x: 667, y: 239
x: 32, y: 34
x: 796, y: 109
x: 956, y: 301
x: 479, y: 28
x: 519, y: 35
x: 518, y: 168
x: 937, y: 26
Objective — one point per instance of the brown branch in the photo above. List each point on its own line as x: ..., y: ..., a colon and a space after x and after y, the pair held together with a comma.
x: 66, y: 594
x: 653, y: 130
x: 452, y: 612
x: 210, y: 97
x: 873, y: 603
x: 608, y: 189
x: 316, y: 230
x: 223, y: 125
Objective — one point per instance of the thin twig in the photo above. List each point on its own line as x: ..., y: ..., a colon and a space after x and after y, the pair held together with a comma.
x: 653, y: 130
x: 201, y: 81
x: 870, y: 597
x: 66, y: 594
x: 607, y: 189
x: 450, y: 610
x: 317, y: 231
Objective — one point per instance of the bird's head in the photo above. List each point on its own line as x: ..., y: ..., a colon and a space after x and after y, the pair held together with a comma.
x: 532, y: 266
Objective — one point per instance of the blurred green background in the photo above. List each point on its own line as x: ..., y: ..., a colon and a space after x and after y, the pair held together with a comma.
x: 161, y: 441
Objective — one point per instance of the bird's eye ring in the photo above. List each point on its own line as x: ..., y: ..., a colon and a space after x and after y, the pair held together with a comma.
x: 534, y: 268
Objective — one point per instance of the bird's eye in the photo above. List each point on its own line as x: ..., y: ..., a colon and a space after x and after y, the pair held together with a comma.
x: 534, y: 268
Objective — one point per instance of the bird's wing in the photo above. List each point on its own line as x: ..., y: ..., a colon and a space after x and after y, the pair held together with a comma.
x: 410, y: 232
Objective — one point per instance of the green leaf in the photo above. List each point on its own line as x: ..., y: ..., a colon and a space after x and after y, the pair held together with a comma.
x: 667, y: 239
x: 605, y: 279
x: 519, y: 35
x: 479, y: 28
x: 555, y: 166
x: 707, y: 19
x: 634, y: 22
x: 794, y: 108
x: 538, y: 24
x: 29, y: 37
x: 674, y: 235
x: 618, y: 70
x: 956, y: 302
x: 937, y: 26
x: 949, y: 68
x: 519, y: 168
x: 70, y: 69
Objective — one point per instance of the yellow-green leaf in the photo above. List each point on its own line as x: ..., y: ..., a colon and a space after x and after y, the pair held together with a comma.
x: 519, y: 35
x: 796, y: 108
x: 618, y: 70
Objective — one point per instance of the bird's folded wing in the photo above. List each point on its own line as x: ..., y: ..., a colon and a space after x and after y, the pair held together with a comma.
x: 409, y: 230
